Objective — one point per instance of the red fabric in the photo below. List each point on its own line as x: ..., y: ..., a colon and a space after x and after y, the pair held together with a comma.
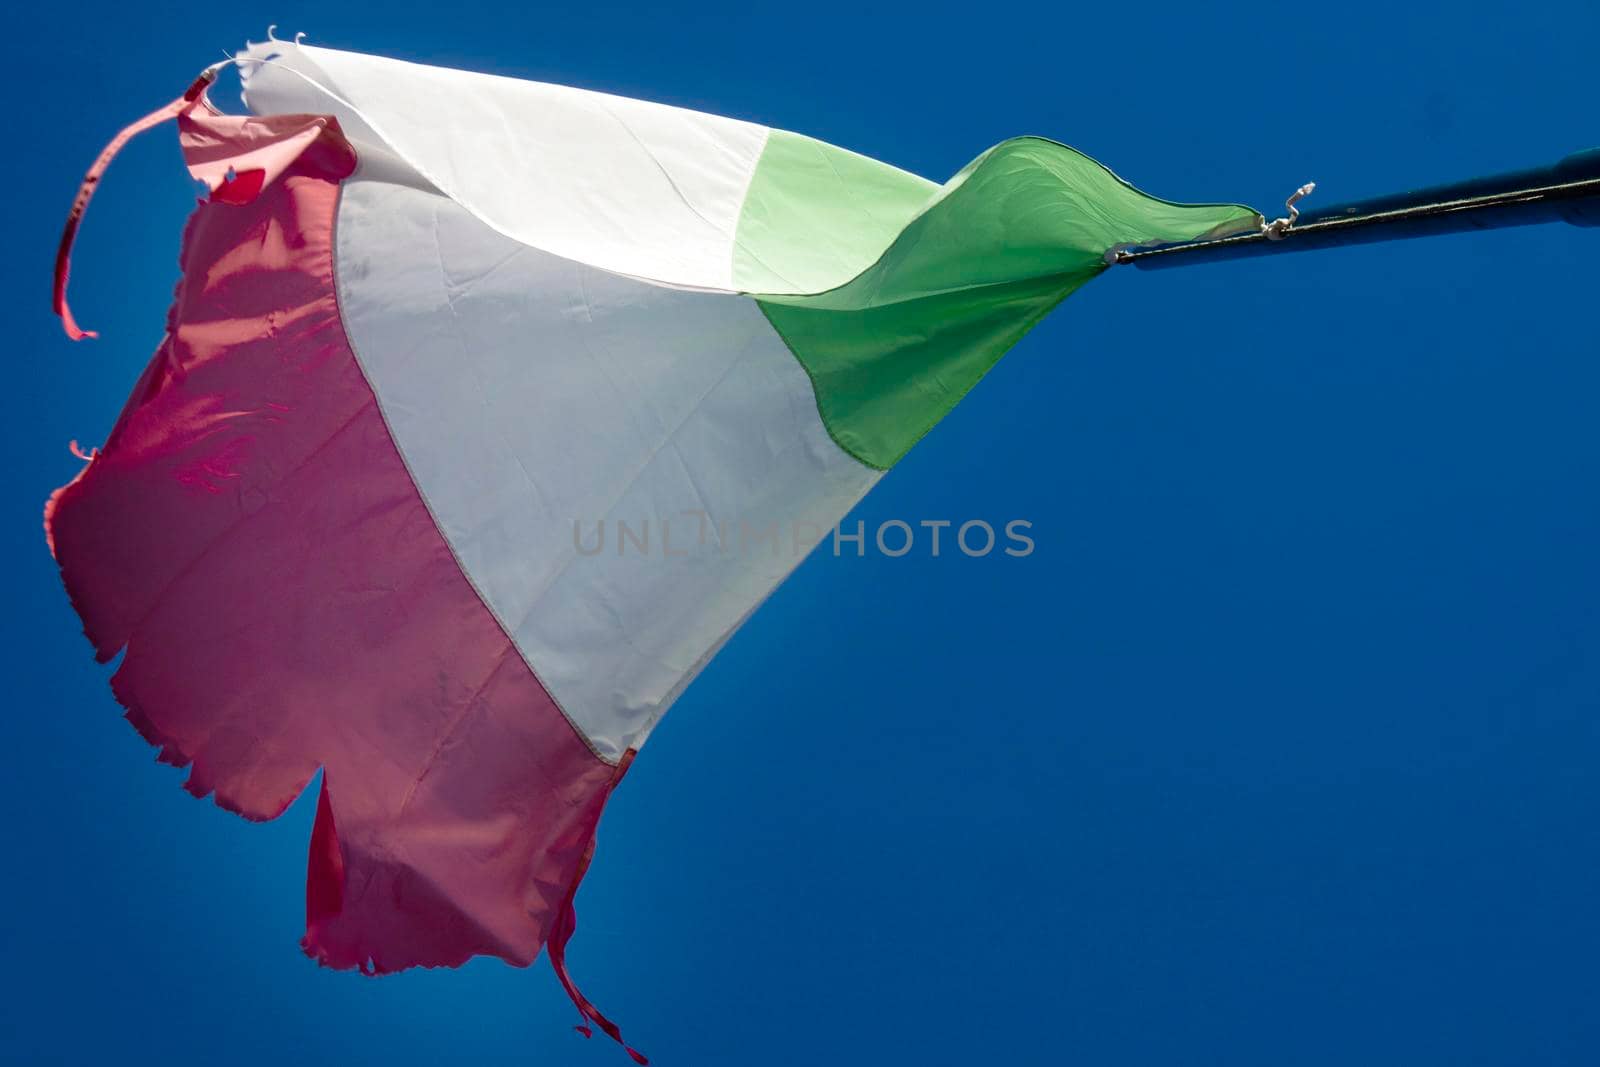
x: 566, y: 925
x: 250, y: 537
x: 237, y: 156
x: 91, y: 181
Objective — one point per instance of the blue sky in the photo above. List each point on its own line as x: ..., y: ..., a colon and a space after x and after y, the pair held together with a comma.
x: 1280, y: 748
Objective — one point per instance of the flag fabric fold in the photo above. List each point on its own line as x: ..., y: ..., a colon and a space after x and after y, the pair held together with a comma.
x: 437, y: 335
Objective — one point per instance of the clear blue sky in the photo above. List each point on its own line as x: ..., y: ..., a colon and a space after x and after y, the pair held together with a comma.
x: 1280, y: 749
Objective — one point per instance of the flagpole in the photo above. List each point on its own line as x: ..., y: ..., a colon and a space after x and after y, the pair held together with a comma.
x: 1568, y: 192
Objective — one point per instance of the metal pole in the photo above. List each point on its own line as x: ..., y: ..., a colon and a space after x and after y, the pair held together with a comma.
x: 1567, y: 192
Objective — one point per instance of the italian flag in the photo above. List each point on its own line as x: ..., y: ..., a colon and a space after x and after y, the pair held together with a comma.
x: 433, y: 324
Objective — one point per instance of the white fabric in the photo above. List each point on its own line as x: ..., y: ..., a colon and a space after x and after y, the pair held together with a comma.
x: 528, y: 392
x: 634, y: 187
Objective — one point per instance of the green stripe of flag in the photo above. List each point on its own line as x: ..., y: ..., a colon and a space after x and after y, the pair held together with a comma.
x: 971, y: 270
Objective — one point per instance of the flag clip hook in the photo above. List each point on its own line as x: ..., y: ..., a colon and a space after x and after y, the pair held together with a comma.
x: 1277, y: 229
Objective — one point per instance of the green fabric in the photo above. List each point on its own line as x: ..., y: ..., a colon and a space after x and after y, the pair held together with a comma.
x: 815, y: 216
x: 891, y: 351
